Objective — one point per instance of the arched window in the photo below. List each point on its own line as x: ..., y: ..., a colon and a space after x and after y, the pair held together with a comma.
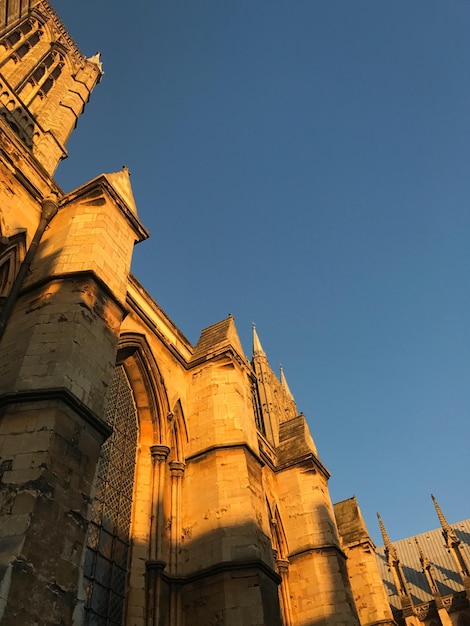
x: 257, y: 409
x: 40, y: 71
x: 13, y: 38
x: 41, y: 80
x: 27, y: 45
x: 5, y: 273
x: 51, y: 79
x: 108, y: 541
x: 17, y: 43
x: 12, y: 251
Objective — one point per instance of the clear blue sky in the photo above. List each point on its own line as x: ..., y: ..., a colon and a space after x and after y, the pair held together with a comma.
x: 304, y: 164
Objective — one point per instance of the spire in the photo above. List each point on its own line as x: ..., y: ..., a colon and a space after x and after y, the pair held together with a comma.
x: 447, y: 530
x: 453, y: 545
x: 397, y: 570
x: 390, y: 550
x: 422, y: 559
x: 427, y: 569
x: 284, y: 383
x: 257, y: 347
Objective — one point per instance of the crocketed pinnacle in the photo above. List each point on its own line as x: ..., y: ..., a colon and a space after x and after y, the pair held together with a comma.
x: 442, y: 520
x: 447, y: 531
x: 428, y: 571
x: 422, y: 559
x: 390, y: 550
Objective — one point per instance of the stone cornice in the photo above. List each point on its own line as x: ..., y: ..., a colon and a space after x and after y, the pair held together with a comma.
x: 228, y: 446
x: 61, y: 394
x: 81, y: 275
x: 215, y: 570
x: 308, y: 460
x: 314, y: 550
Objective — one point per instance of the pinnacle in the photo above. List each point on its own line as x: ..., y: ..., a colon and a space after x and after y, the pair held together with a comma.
x: 257, y: 347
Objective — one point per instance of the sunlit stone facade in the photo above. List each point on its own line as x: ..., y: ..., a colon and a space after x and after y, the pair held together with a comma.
x: 144, y: 480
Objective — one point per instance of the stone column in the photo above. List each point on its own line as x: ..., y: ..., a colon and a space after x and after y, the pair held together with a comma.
x: 176, y: 474
x: 283, y: 571
x: 155, y: 565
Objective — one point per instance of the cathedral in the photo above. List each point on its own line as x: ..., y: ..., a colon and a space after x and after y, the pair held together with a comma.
x: 146, y: 481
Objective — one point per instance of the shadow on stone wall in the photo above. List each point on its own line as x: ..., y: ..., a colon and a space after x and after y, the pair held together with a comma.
x: 237, y: 586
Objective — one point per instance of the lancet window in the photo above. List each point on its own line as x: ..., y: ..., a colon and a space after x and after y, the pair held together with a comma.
x: 47, y: 72
x: 41, y: 79
x: 108, y: 541
x: 12, y: 251
x: 257, y: 409
x: 22, y: 40
x: 51, y: 79
x: 18, y: 35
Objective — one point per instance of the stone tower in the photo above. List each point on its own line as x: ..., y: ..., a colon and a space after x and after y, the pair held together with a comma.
x: 46, y: 81
x: 64, y: 263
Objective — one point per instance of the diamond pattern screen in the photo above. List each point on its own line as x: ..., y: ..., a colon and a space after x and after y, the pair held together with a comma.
x: 105, y: 568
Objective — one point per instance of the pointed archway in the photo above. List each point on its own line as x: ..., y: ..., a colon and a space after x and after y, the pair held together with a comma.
x: 122, y: 533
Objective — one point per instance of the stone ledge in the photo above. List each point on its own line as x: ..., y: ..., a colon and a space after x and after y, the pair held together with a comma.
x: 63, y: 395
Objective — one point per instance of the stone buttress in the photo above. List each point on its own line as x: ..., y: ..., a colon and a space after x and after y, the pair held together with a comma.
x: 226, y: 553
x: 311, y: 560
x: 364, y: 575
x: 64, y: 265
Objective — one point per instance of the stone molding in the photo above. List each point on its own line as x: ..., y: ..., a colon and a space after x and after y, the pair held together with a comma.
x: 61, y: 394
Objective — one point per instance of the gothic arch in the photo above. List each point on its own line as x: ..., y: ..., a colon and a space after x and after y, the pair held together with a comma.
x: 17, y: 44
x: 19, y: 33
x: 12, y: 253
x: 44, y: 74
x: 281, y: 535
x: 121, y: 530
x: 278, y: 535
x: 178, y: 433
x: 147, y: 385
x: 281, y: 556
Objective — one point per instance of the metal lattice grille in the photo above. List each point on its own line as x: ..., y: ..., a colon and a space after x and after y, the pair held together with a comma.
x: 105, y: 568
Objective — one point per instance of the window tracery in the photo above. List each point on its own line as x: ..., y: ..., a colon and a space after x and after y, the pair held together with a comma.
x: 108, y: 541
x: 12, y: 251
x: 43, y: 76
x: 19, y: 34
x: 20, y: 51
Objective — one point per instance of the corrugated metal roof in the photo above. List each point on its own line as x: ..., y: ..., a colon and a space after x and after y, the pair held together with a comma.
x: 444, y: 568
